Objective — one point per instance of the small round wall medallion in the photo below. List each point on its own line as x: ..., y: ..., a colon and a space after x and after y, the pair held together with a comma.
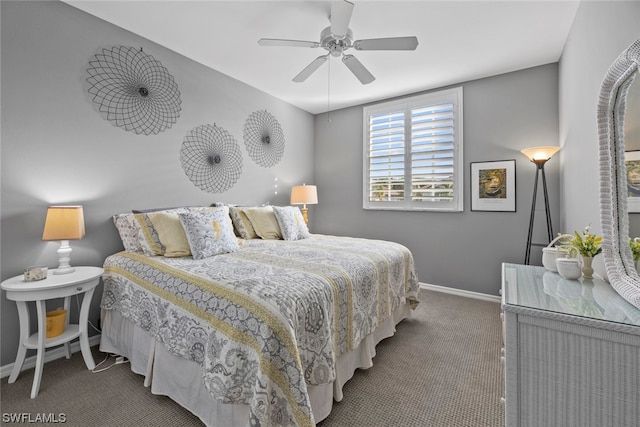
x: 211, y: 158
x: 133, y: 90
x: 263, y: 138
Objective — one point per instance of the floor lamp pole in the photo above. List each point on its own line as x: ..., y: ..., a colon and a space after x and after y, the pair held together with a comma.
x: 539, y: 168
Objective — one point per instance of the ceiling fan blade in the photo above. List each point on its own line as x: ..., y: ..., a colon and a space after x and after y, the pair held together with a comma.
x: 290, y: 43
x: 391, y: 43
x: 340, y: 16
x: 311, y: 68
x: 358, y: 69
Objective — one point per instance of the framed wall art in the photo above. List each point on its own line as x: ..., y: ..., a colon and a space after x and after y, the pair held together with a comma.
x: 632, y: 166
x: 493, y: 186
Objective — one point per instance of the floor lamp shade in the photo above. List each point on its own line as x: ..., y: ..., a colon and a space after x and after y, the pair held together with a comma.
x: 542, y: 153
x: 64, y: 223
x: 539, y: 156
x: 304, y: 195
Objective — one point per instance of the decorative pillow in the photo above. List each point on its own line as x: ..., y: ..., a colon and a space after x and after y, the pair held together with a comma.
x: 291, y: 223
x: 128, y: 229
x: 170, y: 233
x: 241, y: 223
x: 209, y: 233
x: 148, y: 235
x: 264, y: 222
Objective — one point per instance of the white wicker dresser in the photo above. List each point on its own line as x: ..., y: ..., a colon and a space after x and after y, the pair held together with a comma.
x: 572, y: 351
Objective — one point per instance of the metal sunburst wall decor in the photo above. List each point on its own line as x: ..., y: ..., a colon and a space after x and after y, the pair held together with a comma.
x: 263, y: 138
x: 133, y: 90
x: 211, y: 158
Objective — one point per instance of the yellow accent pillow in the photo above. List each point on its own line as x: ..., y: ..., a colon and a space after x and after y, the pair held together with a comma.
x: 171, y: 233
x: 264, y: 222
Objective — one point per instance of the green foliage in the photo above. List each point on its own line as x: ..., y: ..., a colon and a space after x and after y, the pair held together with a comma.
x: 635, y: 248
x: 587, y: 243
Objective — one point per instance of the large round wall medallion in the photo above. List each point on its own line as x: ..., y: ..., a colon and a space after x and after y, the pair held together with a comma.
x: 133, y: 90
x: 263, y: 138
x: 211, y: 158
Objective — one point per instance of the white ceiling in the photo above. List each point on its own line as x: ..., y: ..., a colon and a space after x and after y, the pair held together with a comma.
x: 458, y: 41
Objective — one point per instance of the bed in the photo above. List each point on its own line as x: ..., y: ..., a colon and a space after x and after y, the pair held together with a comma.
x: 265, y: 331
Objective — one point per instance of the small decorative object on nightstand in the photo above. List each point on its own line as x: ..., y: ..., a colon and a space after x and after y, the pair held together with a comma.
x: 82, y: 281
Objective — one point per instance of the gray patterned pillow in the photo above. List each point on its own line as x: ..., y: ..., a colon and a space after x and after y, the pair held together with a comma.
x: 291, y: 223
x: 209, y: 233
x: 128, y: 230
x: 241, y: 223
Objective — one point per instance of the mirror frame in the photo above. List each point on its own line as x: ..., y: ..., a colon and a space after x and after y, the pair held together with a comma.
x: 614, y: 215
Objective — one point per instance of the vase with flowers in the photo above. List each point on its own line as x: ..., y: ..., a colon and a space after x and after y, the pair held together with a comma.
x: 588, y: 245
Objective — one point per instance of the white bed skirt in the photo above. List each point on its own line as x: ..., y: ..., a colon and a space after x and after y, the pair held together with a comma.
x: 181, y: 379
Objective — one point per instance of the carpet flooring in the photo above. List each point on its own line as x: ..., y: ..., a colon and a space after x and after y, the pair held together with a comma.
x: 442, y: 368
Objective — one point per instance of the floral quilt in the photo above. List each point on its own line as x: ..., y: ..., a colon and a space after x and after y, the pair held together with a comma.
x: 268, y: 319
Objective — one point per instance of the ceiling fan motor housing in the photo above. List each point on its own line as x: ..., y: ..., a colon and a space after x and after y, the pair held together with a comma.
x: 335, y: 44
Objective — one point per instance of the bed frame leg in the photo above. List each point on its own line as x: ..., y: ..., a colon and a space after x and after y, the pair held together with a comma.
x: 149, y: 374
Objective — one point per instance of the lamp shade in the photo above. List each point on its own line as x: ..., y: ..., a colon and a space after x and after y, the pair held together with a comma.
x: 542, y: 153
x: 304, y: 195
x: 64, y: 223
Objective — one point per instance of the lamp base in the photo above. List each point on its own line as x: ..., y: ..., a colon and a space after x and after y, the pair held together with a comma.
x: 64, y: 257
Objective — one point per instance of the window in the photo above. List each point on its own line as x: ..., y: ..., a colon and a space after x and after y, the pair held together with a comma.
x: 413, y: 153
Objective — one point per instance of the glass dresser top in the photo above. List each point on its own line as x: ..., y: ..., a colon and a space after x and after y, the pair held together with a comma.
x: 538, y: 288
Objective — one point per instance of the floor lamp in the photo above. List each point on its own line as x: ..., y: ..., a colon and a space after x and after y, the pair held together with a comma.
x: 539, y: 156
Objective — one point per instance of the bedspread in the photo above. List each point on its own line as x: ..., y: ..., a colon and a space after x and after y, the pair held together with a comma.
x: 267, y: 320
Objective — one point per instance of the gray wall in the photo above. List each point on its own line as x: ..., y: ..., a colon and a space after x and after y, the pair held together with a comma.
x: 502, y: 115
x: 56, y: 149
x: 600, y: 32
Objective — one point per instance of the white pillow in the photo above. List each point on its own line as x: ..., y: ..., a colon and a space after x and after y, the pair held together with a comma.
x: 209, y: 233
x: 291, y: 223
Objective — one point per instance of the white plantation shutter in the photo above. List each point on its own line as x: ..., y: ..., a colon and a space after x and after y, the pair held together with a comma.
x: 386, y: 156
x: 413, y: 153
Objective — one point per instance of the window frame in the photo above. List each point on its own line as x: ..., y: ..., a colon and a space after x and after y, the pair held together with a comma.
x: 452, y: 95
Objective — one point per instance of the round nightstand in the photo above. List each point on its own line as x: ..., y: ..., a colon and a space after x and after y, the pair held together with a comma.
x: 83, y: 281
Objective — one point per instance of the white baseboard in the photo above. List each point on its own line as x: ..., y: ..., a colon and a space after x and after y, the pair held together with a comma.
x: 460, y: 292
x: 49, y: 355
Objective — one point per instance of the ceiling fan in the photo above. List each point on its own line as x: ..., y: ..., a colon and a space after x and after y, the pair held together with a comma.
x: 337, y: 38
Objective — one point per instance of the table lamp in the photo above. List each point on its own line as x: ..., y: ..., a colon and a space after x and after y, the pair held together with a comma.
x: 304, y: 195
x: 64, y: 223
x: 539, y: 156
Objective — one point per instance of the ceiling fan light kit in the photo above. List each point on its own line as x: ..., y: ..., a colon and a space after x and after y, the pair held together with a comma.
x: 337, y: 38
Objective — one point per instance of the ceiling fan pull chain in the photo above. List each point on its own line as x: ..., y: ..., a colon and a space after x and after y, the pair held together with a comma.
x: 329, y: 92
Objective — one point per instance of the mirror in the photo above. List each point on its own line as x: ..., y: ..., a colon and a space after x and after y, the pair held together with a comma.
x: 614, y: 191
x: 631, y: 134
